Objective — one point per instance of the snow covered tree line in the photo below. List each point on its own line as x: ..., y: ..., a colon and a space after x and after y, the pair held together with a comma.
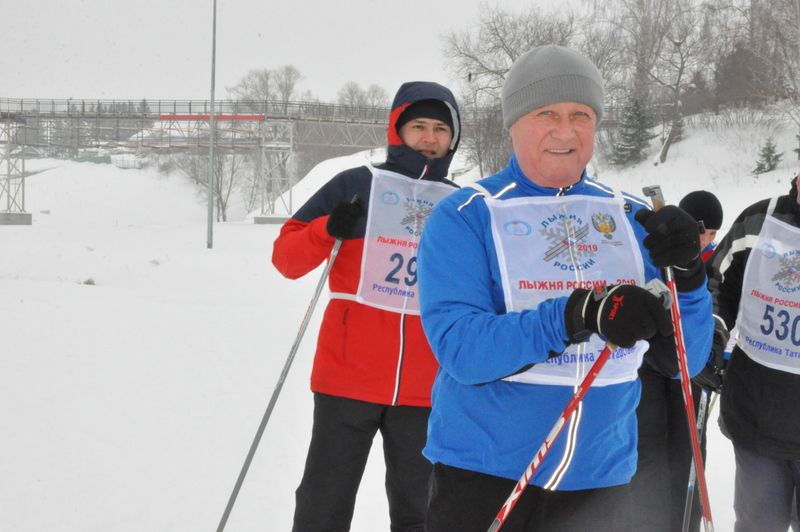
x: 661, y: 60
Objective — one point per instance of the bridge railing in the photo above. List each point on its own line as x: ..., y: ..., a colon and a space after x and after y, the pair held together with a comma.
x: 155, y: 108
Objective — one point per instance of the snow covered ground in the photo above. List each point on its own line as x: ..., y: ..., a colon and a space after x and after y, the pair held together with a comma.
x: 135, y: 364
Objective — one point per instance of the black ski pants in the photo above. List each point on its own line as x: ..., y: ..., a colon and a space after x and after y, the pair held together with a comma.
x: 340, y: 443
x: 467, y: 501
x: 665, y: 456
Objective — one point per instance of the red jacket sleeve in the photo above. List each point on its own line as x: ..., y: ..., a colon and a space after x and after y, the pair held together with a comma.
x: 301, y: 246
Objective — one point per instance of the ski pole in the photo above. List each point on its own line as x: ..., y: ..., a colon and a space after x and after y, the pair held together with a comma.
x: 702, y: 411
x: 658, y: 289
x: 281, y: 379
x: 654, y: 192
x: 527, y: 475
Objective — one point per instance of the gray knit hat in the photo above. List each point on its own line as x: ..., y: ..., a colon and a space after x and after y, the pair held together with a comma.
x: 550, y: 74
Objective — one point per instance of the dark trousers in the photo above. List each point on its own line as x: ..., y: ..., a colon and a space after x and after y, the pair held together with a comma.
x: 665, y: 456
x: 340, y: 442
x: 764, y: 493
x: 466, y: 501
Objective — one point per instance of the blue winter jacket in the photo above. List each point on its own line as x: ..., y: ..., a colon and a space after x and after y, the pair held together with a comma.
x: 482, y: 423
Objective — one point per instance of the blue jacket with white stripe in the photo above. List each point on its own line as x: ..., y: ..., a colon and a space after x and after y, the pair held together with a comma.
x: 482, y: 423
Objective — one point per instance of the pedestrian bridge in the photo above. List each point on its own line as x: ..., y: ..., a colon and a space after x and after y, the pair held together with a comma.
x: 272, y: 131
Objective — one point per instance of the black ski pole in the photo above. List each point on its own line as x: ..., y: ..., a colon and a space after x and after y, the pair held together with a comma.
x: 281, y: 379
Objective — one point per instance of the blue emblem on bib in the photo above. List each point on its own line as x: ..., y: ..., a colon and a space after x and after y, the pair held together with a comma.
x: 517, y: 228
x: 390, y: 198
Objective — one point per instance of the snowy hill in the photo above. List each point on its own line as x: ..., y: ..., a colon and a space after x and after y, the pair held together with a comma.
x: 136, y: 363
x: 717, y: 156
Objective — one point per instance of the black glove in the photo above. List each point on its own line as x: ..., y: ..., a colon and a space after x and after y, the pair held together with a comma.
x: 623, y: 314
x: 344, y: 217
x: 711, y: 375
x: 662, y: 356
x: 674, y: 240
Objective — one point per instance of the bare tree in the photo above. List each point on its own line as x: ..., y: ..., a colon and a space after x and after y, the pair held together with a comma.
x: 768, y: 32
x: 783, y: 16
x: 351, y: 94
x: 229, y: 172
x: 286, y: 78
x: 256, y: 86
x: 598, y: 40
x: 485, y: 54
x: 308, y: 96
x: 376, y: 96
x: 643, y: 27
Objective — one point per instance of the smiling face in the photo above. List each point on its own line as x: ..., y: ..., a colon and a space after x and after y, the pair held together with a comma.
x: 554, y: 143
x: 427, y: 136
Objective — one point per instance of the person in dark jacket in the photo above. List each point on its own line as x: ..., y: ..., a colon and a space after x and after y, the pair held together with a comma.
x: 756, y: 287
x: 665, y: 454
x: 373, y: 367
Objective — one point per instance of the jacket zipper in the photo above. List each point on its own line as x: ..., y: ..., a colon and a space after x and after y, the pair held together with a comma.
x: 401, y: 351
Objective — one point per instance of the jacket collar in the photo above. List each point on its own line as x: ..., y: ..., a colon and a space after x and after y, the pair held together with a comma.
x: 409, y: 162
x: 529, y: 187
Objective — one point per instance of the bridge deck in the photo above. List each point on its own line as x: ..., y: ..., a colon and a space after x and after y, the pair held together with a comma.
x: 155, y: 109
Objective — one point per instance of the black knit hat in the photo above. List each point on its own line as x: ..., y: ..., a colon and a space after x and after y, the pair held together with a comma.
x: 435, y: 109
x: 703, y: 205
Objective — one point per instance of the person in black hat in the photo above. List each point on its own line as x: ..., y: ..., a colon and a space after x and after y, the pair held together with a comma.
x: 373, y: 368
x: 704, y: 207
x: 665, y: 454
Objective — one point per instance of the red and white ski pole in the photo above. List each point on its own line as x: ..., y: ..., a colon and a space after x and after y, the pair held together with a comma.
x: 659, y: 290
x: 526, y: 477
x: 654, y: 192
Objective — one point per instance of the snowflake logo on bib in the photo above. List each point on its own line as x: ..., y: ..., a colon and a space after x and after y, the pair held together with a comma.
x: 567, y: 237
x: 788, y: 277
x: 417, y: 213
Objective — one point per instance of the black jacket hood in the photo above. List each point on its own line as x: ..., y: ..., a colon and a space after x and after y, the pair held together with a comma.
x: 402, y: 158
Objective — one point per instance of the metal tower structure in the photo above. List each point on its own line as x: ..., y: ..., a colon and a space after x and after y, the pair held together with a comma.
x: 12, y: 173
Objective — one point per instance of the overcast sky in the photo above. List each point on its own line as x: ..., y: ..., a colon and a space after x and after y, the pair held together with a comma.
x: 161, y: 49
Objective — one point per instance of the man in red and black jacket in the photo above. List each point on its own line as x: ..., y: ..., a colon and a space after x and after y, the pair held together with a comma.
x: 373, y: 368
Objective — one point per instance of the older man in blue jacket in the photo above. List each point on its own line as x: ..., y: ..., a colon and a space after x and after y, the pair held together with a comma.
x: 523, y: 278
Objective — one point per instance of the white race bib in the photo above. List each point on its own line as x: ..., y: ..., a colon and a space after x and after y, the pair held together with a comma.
x: 769, y: 309
x: 398, y: 209
x: 548, y: 247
